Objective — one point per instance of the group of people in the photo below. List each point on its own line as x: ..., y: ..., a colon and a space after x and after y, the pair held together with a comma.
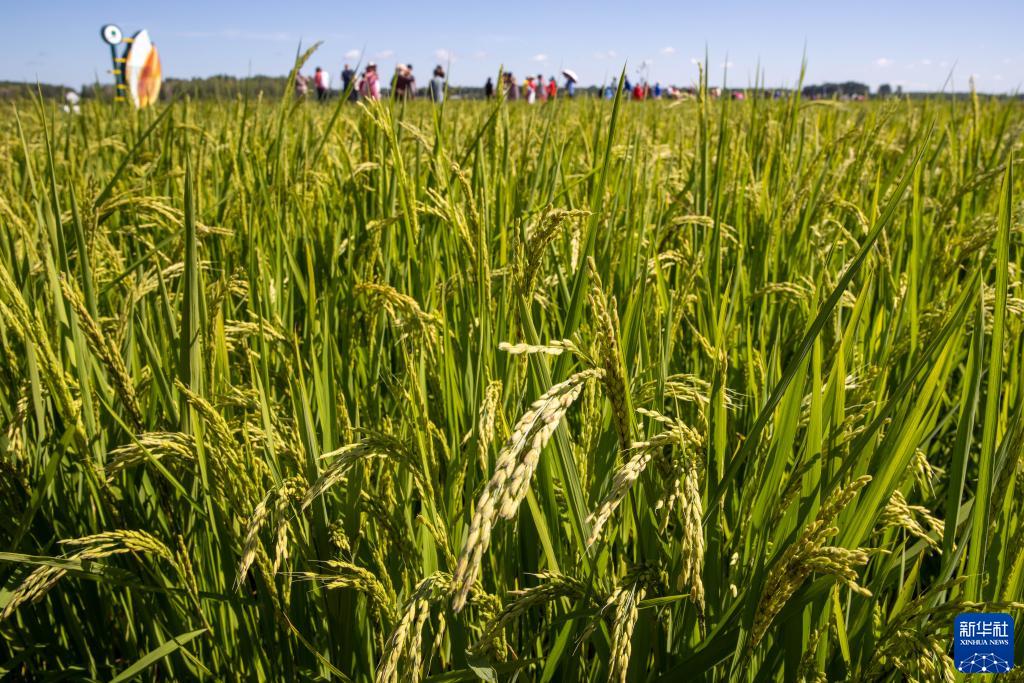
x: 367, y: 84
x: 641, y: 90
x: 533, y: 89
x: 403, y: 84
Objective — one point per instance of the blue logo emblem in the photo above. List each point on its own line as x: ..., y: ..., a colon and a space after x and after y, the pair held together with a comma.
x: 983, y: 643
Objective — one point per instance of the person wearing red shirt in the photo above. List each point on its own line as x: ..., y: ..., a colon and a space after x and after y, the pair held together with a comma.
x: 552, y: 88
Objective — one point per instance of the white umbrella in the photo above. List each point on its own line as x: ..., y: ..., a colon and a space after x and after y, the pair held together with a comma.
x: 571, y: 75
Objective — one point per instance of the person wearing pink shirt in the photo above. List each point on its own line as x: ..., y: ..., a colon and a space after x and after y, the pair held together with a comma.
x: 322, y: 81
x: 369, y: 85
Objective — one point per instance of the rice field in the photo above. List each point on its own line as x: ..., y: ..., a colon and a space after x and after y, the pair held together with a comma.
x: 589, y: 391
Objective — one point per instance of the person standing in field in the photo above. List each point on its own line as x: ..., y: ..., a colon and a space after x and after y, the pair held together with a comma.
x: 570, y: 88
x: 511, y: 87
x: 552, y: 88
x: 530, y: 90
x: 301, y: 86
x: 404, y: 84
x: 542, y: 93
x: 437, y: 85
x: 638, y: 91
x: 411, y: 84
x: 347, y: 74
x: 397, y: 87
x: 369, y: 85
x: 489, y: 88
x: 322, y: 80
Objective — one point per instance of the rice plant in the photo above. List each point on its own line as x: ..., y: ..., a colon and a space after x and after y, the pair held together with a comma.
x: 594, y: 390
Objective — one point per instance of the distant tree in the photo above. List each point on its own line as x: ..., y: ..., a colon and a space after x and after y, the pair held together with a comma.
x: 884, y: 90
x: 854, y: 89
x: 11, y: 90
x: 842, y: 90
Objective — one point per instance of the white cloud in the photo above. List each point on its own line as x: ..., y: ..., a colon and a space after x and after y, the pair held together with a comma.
x: 694, y: 61
x: 668, y: 50
x: 883, y: 62
x: 926, y: 62
x: 539, y: 57
x: 480, y: 54
x: 997, y: 77
x: 728, y: 65
x: 353, y: 54
x: 385, y: 54
x: 1007, y: 60
x: 444, y: 55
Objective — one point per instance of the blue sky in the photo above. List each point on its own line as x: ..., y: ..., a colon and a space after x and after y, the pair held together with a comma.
x: 912, y: 43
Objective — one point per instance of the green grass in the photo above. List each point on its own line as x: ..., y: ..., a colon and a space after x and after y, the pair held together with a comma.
x: 278, y: 391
